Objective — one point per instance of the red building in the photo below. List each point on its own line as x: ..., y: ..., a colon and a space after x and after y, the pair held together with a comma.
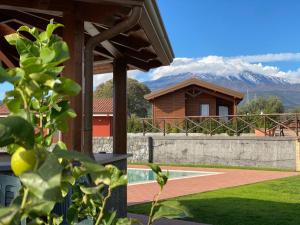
x: 102, y: 116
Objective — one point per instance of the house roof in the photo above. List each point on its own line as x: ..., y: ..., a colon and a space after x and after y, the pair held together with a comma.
x: 197, y: 82
x: 144, y: 46
x: 103, y: 105
x: 3, y: 110
x: 100, y: 106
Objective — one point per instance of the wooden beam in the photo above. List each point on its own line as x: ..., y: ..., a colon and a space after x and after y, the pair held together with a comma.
x: 120, y: 106
x: 133, y: 42
x: 94, y: 12
x: 74, y: 36
x: 102, y: 68
x: 6, y: 60
x: 5, y: 30
x: 93, y: 31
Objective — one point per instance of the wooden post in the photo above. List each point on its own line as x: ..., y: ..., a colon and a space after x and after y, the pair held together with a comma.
x: 164, y: 124
x: 186, y: 127
x: 144, y: 127
x: 234, y: 107
x: 73, y: 34
x: 265, y: 125
x: 297, y: 125
x: 120, y: 106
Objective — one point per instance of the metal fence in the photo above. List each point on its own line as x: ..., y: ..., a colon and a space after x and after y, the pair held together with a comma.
x: 285, y: 124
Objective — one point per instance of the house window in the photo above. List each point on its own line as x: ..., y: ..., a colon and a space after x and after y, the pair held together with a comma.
x: 223, y: 112
x: 204, y: 109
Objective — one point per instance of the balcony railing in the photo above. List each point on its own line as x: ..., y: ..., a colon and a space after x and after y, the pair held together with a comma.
x: 285, y: 124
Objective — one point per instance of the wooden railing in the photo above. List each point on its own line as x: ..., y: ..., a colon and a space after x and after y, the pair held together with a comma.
x: 285, y: 124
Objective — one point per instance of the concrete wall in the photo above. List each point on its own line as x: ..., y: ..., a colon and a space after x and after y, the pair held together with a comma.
x: 232, y: 151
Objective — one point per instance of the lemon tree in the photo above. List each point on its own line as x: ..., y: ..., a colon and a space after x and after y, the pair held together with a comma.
x: 39, y: 108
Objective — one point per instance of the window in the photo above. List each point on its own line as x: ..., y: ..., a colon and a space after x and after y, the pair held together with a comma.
x: 223, y: 112
x: 204, y: 109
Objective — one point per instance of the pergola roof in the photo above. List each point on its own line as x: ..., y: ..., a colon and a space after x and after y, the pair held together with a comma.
x: 197, y: 82
x: 145, y: 46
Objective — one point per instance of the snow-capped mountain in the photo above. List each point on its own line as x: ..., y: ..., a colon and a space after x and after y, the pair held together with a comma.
x: 253, y: 83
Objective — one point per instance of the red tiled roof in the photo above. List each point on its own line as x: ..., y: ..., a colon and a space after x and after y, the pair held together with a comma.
x: 100, y: 106
x: 103, y: 105
x: 3, y: 110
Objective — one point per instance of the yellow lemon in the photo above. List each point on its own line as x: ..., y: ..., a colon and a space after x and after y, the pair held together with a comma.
x: 22, y: 161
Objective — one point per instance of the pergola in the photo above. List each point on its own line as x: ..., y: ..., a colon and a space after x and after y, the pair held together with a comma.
x: 103, y: 36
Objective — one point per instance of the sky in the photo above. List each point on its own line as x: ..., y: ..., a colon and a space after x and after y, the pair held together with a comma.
x: 228, y: 36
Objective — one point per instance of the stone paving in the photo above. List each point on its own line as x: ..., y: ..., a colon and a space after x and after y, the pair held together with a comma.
x: 227, y: 178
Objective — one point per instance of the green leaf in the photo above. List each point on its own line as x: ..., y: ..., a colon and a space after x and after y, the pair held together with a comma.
x: 10, y: 132
x: 112, y: 176
x: 40, y: 207
x: 46, y: 183
x: 23, y: 46
x: 161, y: 179
x: 47, y: 54
x: 12, y: 38
x: 171, y: 210
x: 33, y: 31
x: 14, y: 105
x: 91, y: 190
x: 69, y: 179
x: 72, y: 214
x: 51, y: 27
x: 67, y: 87
x: 128, y: 221
x: 44, y: 79
x: 155, y: 168
x: 60, y: 146
x: 35, y: 104
x: 61, y: 53
x: 71, y: 155
x: 9, y: 216
x: 6, y: 76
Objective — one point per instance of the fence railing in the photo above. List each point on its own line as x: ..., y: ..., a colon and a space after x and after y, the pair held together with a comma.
x: 285, y: 124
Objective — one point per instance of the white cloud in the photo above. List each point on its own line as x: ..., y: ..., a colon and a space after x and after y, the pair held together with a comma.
x: 228, y: 66
x: 101, y: 78
x: 279, y: 57
x: 220, y: 66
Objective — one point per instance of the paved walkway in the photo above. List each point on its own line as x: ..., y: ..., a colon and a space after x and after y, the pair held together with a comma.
x: 228, y: 178
x: 144, y: 220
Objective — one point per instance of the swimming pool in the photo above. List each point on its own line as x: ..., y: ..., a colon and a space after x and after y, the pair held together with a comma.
x: 138, y: 176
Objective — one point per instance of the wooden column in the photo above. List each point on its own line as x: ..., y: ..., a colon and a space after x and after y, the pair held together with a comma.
x: 74, y: 36
x: 120, y: 106
x: 235, y: 107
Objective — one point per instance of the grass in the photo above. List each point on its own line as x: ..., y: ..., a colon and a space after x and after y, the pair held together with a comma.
x: 274, y: 202
x: 219, y: 166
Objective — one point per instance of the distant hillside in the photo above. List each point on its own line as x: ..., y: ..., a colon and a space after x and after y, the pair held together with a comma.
x: 254, y: 84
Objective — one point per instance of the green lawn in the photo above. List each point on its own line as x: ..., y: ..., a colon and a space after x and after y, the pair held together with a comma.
x: 274, y: 202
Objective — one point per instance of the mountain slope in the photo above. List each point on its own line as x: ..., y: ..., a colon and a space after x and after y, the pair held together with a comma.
x: 253, y: 83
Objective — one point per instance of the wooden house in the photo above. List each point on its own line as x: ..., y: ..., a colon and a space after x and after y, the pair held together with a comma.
x: 193, y: 97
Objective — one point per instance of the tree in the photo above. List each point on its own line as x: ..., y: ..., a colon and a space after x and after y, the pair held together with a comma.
x: 263, y: 105
x: 136, y: 103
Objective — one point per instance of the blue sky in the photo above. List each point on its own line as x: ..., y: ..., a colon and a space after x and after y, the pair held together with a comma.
x: 228, y: 36
x: 233, y: 27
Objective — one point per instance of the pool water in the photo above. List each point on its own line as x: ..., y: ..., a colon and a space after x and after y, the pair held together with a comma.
x: 137, y: 176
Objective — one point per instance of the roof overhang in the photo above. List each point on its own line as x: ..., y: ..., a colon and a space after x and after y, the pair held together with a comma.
x: 145, y: 46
